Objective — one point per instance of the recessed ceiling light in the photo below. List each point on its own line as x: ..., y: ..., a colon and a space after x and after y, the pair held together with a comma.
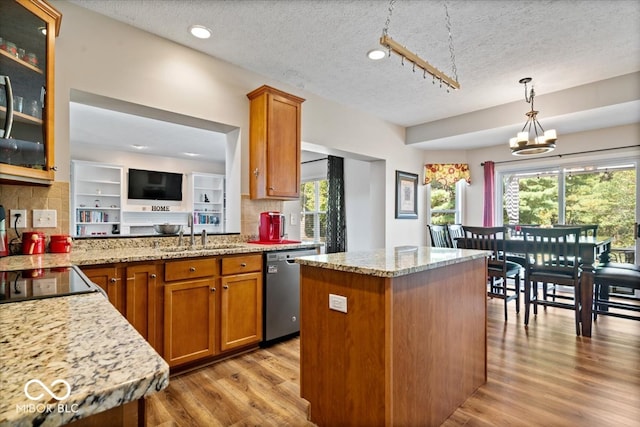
x: 139, y: 147
x: 200, y: 31
x: 186, y: 153
x: 376, y: 54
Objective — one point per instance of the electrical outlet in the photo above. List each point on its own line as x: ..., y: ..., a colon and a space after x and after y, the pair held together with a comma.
x: 22, y: 220
x: 43, y: 218
x: 338, y: 303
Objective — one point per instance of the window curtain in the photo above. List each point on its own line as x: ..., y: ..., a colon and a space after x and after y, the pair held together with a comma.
x: 489, y: 194
x: 336, y: 240
x: 446, y: 174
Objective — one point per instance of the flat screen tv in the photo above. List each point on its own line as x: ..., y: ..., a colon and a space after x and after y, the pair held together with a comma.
x: 154, y: 185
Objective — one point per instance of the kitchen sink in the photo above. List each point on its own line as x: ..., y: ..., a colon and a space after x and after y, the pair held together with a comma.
x: 201, y: 248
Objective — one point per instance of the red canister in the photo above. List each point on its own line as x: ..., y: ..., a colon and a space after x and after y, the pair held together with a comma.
x: 33, y: 242
x: 60, y: 244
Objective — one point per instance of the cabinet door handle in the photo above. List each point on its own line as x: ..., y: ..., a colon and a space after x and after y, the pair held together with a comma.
x: 255, y: 171
x: 244, y: 264
x: 153, y: 276
x: 225, y: 286
x: 192, y: 269
x: 271, y: 188
x: 213, y: 289
x: 113, y: 280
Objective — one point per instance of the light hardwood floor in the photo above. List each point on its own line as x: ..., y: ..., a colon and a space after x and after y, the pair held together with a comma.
x: 540, y: 376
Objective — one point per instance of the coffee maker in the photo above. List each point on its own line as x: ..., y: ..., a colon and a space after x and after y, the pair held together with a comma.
x: 271, y: 228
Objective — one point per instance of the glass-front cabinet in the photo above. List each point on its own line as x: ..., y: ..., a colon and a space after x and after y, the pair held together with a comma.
x: 28, y: 29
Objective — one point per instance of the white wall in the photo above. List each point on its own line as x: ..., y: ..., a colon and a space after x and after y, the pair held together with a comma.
x: 361, y: 233
x: 99, y: 55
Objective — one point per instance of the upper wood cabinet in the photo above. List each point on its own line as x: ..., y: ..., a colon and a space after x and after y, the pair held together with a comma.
x: 28, y: 29
x: 274, y: 144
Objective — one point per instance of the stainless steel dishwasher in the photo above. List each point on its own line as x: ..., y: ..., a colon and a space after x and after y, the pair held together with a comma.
x: 282, y: 293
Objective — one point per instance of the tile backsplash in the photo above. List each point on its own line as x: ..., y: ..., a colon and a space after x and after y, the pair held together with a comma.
x: 55, y: 196
x: 251, y: 213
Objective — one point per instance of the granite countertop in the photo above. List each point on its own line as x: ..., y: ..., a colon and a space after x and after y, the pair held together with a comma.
x: 111, y: 255
x: 81, y: 340
x: 393, y: 262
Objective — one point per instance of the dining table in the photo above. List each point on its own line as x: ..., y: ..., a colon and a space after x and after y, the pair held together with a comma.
x: 591, y: 249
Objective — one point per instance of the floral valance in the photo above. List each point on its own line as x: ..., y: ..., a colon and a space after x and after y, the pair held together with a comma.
x: 446, y: 173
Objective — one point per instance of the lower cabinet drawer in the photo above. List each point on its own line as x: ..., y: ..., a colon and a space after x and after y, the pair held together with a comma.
x: 190, y: 269
x: 241, y: 264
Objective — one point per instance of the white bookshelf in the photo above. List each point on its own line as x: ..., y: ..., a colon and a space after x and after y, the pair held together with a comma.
x: 96, y: 198
x: 208, y: 200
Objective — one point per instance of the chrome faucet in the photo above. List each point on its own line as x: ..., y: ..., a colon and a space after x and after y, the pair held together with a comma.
x: 190, y: 225
x: 180, y: 235
x: 204, y: 237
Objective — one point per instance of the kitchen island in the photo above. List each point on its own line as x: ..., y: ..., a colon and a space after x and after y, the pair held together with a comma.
x: 392, y: 337
x: 70, y: 358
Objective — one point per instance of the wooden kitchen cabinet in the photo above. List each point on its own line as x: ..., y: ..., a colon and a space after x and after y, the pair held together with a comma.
x: 29, y: 30
x: 109, y: 278
x: 189, y: 321
x: 131, y: 288
x: 190, y: 310
x: 274, y: 144
x: 140, y: 299
x: 241, y: 301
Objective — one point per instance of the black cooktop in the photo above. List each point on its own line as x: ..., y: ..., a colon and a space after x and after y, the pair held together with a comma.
x: 24, y: 285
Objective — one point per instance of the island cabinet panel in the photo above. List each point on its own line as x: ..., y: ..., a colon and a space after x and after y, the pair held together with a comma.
x: 189, y: 321
x: 342, y: 356
x: 408, y: 351
x: 274, y: 144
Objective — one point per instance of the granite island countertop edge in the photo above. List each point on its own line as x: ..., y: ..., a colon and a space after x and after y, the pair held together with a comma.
x: 81, y: 339
x: 386, y: 263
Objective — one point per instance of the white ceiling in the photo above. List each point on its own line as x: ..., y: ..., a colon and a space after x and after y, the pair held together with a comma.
x: 321, y: 46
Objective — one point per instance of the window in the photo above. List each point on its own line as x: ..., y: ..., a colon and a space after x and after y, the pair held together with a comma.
x: 445, y: 202
x: 603, y: 194
x: 530, y: 198
x: 313, y: 225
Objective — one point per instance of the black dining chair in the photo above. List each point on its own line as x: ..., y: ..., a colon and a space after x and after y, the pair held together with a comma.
x: 455, y: 231
x: 498, y: 268
x: 550, y: 252
x: 439, y: 236
x: 586, y: 230
x: 611, y: 276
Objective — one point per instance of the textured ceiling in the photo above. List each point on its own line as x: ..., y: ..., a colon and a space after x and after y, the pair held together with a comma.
x: 321, y: 46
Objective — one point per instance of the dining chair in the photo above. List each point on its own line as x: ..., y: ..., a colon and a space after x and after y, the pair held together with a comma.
x: 439, y: 236
x: 498, y: 268
x: 610, y: 276
x: 550, y: 252
x: 455, y: 231
x: 586, y: 230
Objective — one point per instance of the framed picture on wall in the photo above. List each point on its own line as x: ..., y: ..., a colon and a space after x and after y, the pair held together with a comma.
x: 406, y: 195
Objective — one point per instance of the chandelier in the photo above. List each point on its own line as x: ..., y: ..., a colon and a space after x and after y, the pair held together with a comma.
x: 527, y: 142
